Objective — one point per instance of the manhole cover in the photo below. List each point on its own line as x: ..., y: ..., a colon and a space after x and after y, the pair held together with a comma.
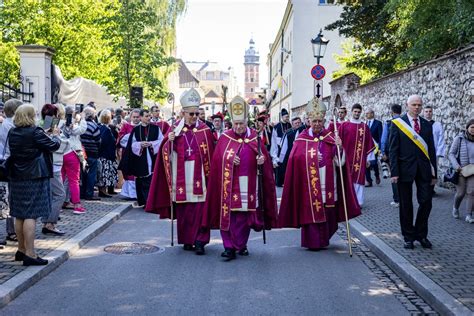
x: 132, y: 248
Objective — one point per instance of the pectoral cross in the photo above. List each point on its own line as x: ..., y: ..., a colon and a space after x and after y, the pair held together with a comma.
x: 230, y: 153
x: 190, y: 151
x: 312, y: 152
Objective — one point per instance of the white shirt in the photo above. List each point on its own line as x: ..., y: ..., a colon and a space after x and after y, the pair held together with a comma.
x: 412, y: 122
x: 438, y: 137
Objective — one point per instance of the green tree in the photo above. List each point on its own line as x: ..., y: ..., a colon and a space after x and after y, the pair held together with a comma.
x: 143, y: 34
x: 74, y: 28
x: 389, y: 35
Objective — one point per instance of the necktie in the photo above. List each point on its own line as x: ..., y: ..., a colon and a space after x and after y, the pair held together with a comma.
x: 417, y: 126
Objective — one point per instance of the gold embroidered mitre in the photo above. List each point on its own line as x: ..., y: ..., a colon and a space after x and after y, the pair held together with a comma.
x: 238, y: 109
x: 190, y: 98
x: 315, y: 109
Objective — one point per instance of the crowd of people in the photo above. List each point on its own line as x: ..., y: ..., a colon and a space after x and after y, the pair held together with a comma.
x: 222, y: 172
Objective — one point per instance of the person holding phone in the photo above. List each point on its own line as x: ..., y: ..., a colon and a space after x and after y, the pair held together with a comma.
x: 58, y: 194
x: 73, y: 158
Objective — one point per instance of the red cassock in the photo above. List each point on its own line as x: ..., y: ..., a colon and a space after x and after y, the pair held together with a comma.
x: 358, y: 143
x: 159, y: 198
x: 163, y: 125
x: 223, y: 193
x: 302, y: 203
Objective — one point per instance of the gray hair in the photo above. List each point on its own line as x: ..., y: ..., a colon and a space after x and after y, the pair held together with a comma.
x: 369, y: 110
x: 89, y: 112
x: 70, y: 109
x: 134, y: 111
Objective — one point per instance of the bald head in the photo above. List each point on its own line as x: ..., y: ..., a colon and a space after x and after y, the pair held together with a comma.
x: 414, y: 105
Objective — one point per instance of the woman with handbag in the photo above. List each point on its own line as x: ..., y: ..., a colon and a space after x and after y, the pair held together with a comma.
x: 30, y: 170
x: 461, y: 156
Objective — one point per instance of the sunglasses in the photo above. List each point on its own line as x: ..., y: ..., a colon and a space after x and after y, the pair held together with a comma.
x: 193, y: 113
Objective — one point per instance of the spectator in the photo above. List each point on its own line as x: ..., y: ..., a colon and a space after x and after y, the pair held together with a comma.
x: 376, y: 128
x: 108, y: 176
x: 73, y: 159
x: 396, y: 112
x: 91, y: 142
x: 30, y: 170
x: 56, y: 183
x: 438, y: 135
x: 461, y: 156
x: 9, y: 109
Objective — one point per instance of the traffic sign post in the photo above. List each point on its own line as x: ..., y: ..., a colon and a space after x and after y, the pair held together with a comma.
x: 318, y: 72
x: 318, y: 89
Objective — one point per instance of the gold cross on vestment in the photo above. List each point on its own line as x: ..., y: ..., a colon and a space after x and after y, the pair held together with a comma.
x: 225, y: 208
x: 317, y: 204
x: 312, y: 152
x: 230, y: 153
x: 180, y: 190
x: 356, y: 167
x: 361, y: 131
x: 236, y: 197
x: 204, y: 147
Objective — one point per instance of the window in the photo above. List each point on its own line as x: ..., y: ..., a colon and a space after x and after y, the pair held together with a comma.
x: 209, y: 75
x: 251, y: 89
x: 327, y: 2
x: 251, y: 79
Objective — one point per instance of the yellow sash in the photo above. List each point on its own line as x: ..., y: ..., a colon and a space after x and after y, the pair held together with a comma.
x: 413, y: 136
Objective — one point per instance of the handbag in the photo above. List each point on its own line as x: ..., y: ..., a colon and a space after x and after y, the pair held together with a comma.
x: 467, y: 171
x: 4, y: 163
x: 452, y: 175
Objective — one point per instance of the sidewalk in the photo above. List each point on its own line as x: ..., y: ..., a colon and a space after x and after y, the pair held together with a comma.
x: 447, y: 272
x: 15, y: 278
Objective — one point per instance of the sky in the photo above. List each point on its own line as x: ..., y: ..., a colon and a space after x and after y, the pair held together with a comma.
x: 220, y: 30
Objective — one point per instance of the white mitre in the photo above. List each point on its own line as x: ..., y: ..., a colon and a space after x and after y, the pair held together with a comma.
x: 190, y: 98
x: 238, y: 109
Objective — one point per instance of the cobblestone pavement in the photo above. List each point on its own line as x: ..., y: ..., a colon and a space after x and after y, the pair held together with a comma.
x: 450, y: 262
x: 414, y: 304
x: 71, y: 224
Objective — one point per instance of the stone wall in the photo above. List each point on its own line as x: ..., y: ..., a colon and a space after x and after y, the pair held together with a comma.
x: 446, y: 83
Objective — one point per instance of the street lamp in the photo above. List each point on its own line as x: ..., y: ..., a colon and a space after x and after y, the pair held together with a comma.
x: 319, y: 45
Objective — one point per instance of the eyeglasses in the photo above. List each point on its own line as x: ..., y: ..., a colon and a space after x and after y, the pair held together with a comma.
x: 193, y: 113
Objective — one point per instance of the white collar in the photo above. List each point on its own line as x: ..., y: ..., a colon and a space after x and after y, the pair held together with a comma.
x: 355, y: 121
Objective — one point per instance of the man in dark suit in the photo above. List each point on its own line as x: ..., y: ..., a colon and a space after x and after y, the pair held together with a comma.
x: 413, y: 158
x: 376, y: 128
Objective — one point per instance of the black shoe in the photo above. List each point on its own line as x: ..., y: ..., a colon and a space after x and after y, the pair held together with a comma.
x: 19, y: 255
x: 188, y: 247
x: 229, y: 254
x: 377, y: 180
x: 92, y: 198
x: 244, y: 252
x: 408, y: 245
x: 3, y: 242
x: 425, y: 243
x: 368, y: 185
x: 28, y: 261
x: 11, y: 237
x: 111, y: 191
x: 55, y: 231
x: 104, y: 195
x: 199, y: 247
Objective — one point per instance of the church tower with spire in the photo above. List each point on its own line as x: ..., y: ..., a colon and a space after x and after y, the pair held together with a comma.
x: 251, y: 64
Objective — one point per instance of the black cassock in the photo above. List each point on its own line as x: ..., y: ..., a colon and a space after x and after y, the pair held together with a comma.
x: 138, y: 165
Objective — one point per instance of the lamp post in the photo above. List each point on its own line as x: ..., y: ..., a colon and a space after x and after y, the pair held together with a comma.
x: 319, y: 46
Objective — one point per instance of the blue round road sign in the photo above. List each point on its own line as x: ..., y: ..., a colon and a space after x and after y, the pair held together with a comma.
x: 318, y: 72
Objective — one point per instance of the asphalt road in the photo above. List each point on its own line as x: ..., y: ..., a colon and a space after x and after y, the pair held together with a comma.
x: 277, y: 278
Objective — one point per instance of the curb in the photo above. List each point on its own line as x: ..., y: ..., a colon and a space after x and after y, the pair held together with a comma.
x: 431, y: 292
x: 25, y: 279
